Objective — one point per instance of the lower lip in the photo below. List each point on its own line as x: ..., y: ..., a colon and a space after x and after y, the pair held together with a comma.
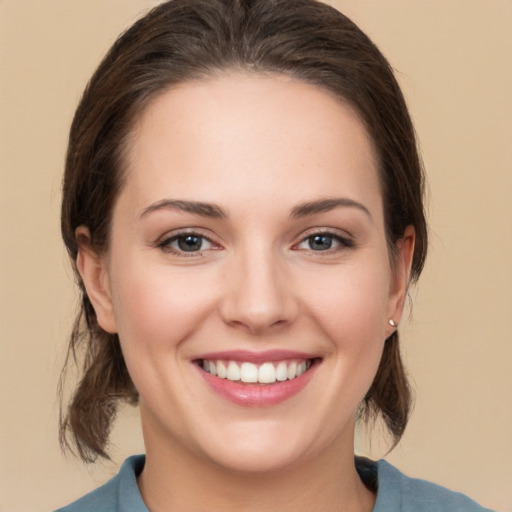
x: 258, y: 395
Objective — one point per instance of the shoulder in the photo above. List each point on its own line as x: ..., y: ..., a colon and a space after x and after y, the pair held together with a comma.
x: 398, y: 492
x: 117, y: 495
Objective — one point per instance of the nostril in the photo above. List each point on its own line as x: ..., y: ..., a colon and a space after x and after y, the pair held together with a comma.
x: 258, y: 296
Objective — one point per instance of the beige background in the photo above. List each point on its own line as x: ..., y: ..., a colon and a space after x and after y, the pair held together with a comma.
x: 454, y: 60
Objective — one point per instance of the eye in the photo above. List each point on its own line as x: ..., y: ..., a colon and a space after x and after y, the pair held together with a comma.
x: 319, y: 242
x: 186, y: 243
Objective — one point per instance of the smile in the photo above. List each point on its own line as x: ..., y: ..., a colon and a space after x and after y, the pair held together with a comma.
x: 257, y: 379
x: 265, y: 373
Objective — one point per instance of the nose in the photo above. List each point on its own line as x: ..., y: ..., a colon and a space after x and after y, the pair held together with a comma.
x: 259, y: 295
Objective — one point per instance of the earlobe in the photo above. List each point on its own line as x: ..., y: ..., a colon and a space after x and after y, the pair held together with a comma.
x: 94, y: 273
x: 401, y: 274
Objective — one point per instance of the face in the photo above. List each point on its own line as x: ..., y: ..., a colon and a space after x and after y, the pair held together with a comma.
x: 248, y: 273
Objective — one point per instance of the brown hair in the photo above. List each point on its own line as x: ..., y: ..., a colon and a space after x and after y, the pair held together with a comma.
x: 182, y: 40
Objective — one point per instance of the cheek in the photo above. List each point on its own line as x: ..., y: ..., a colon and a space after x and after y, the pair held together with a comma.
x: 351, y: 304
x: 156, y: 309
x: 157, y: 312
x: 351, y: 309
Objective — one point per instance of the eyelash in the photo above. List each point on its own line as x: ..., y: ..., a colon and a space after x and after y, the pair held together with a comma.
x: 342, y: 242
x: 166, y: 244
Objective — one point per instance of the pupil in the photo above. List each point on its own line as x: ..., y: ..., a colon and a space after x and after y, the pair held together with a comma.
x: 321, y: 242
x: 190, y: 243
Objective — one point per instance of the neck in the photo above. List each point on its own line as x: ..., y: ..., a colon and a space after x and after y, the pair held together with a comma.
x: 176, y: 479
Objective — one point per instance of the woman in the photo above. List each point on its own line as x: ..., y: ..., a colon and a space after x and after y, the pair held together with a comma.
x: 243, y: 207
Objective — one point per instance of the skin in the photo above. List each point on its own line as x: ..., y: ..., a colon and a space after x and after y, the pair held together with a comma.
x: 257, y: 147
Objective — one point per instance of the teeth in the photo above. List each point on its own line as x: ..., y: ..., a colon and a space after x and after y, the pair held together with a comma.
x: 222, y: 371
x: 233, y: 372
x: 248, y: 372
x: 281, y: 371
x: 267, y: 373
x: 292, y: 370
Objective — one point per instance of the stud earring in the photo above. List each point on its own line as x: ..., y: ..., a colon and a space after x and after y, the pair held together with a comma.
x: 392, y: 323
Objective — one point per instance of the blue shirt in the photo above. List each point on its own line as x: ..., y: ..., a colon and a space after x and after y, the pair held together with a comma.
x: 395, y: 492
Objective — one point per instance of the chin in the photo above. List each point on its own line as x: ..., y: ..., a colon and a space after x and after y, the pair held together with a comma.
x: 253, y: 456
x: 267, y: 445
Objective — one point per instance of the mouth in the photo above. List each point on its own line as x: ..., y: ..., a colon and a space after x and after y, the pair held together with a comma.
x: 257, y: 379
x: 268, y: 372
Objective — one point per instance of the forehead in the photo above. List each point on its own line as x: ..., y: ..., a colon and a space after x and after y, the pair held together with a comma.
x: 237, y: 133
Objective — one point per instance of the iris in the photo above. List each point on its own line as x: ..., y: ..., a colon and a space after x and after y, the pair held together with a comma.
x: 320, y: 242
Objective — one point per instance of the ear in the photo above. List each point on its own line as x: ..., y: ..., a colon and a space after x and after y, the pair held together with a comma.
x: 401, y: 274
x: 94, y: 272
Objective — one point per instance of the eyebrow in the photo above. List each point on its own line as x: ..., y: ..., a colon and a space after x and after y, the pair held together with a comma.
x: 214, y: 211
x: 196, y: 207
x: 326, y: 205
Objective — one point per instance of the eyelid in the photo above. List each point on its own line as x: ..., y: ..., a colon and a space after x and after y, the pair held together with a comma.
x: 164, y: 242
x: 344, y: 241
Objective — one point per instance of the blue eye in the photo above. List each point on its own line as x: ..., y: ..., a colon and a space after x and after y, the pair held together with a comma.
x: 324, y: 242
x: 186, y: 242
x: 320, y: 242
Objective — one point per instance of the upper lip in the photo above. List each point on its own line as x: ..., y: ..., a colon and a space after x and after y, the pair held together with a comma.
x: 255, y: 357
